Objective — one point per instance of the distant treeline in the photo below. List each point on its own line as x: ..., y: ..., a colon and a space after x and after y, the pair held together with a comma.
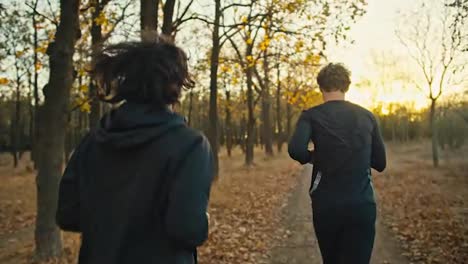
x: 401, y: 124
x: 404, y: 124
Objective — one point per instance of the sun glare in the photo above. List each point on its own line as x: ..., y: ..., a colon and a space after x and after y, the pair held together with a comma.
x: 396, y: 94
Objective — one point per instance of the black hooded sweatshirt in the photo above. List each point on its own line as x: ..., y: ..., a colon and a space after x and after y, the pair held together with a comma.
x: 137, y: 189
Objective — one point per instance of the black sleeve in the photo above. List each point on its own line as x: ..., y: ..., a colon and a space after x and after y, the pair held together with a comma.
x: 186, y: 218
x: 378, y: 156
x: 298, y: 147
x: 68, y: 207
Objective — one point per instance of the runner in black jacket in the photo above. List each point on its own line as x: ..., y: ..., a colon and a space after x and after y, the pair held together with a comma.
x: 137, y: 187
x: 347, y: 144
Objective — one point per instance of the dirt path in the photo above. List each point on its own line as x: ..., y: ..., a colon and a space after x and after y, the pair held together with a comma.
x: 301, y: 246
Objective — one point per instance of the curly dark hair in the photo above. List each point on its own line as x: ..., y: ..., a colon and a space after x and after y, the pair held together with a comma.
x: 334, y: 77
x: 142, y: 72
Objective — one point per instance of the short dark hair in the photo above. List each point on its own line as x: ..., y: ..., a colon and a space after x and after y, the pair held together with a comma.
x: 334, y: 77
x: 142, y: 72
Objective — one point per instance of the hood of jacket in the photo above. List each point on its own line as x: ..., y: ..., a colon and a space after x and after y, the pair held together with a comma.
x: 132, y: 125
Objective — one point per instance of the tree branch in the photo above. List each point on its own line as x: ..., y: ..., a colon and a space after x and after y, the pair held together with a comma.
x: 259, y: 78
x: 237, y: 50
x: 234, y: 5
x: 106, y: 36
x: 34, y: 9
x: 179, y: 19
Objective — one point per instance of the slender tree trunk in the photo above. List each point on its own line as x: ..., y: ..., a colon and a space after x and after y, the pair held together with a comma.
x: 228, y: 125
x: 288, y: 120
x: 214, y: 61
x: 80, y: 127
x: 278, y: 109
x: 148, y: 18
x: 17, y: 118
x: 36, y: 83
x: 434, y: 134
x: 13, y: 138
x: 68, y: 146
x: 267, y: 126
x: 31, y: 115
x: 81, y: 124
x: 17, y: 126
x: 190, y: 107
x: 96, y: 42
x: 51, y: 138
x: 258, y: 136
x: 243, y: 134
x: 249, y: 150
x: 167, y: 27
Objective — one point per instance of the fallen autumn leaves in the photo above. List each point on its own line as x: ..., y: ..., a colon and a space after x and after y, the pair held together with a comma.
x: 244, y: 212
x: 418, y: 205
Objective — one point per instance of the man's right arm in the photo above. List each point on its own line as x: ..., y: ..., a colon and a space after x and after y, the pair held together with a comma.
x: 298, y: 147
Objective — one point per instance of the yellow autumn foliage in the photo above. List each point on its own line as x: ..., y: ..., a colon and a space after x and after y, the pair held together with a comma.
x: 83, y: 88
x: 81, y: 72
x: 4, y: 81
x: 86, y: 107
x: 299, y: 45
x: 41, y: 49
x: 264, y: 44
x: 19, y: 53
x: 83, y: 103
x: 244, y: 19
x: 234, y: 80
x: 38, y: 66
x: 250, y: 61
x: 101, y: 20
x: 303, y: 98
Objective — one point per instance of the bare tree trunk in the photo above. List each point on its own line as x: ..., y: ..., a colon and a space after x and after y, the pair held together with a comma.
x: 434, y: 134
x: 167, y: 27
x: 96, y: 42
x: 51, y: 138
x: 214, y: 63
x: 278, y: 109
x: 249, y: 149
x: 82, y: 125
x: 148, y: 17
x: 228, y: 123
x: 288, y: 120
x: 243, y: 131
x: 190, y: 107
x: 17, y: 123
x: 13, y: 137
x: 68, y: 146
x: 267, y: 126
x: 36, y: 83
x: 31, y: 114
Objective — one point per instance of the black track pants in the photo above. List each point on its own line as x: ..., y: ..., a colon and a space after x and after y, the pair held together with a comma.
x: 345, y: 233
